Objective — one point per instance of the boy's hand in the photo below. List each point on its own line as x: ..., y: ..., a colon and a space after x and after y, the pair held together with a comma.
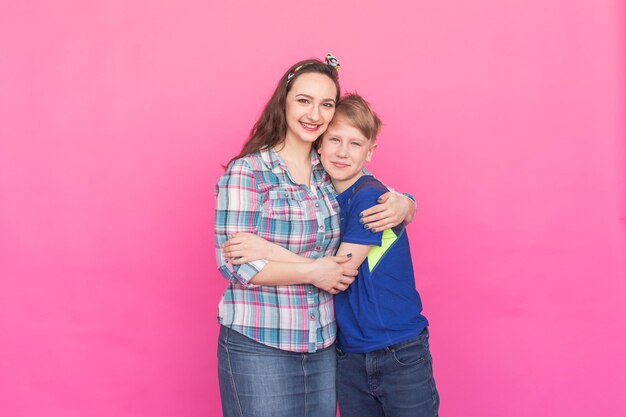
x: 244, y: 247
x: 391, y: 210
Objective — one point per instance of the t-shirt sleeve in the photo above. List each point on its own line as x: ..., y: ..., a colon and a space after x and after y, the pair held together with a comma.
x: 354, y: 232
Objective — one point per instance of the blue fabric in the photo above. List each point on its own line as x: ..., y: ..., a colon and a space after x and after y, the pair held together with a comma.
x: 396, y: 381
x: 382, y: 306
x: 261, y: 381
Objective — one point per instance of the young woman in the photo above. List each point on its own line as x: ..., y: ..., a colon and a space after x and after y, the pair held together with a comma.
x: 275, y: 353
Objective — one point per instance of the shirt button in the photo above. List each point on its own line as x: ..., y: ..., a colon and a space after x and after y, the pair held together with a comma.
x: 317, y: 204
x: 310, y: 292
x: 321, y: 227
x: 318, y: 247
x: 312, y: 317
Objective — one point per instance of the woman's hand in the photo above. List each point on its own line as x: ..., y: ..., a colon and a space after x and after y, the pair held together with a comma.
x: 329, y: 273
x: 242, y: 248
x: 391, y: 210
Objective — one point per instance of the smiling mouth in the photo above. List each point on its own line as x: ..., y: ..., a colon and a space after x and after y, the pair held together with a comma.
x: 339, y: 164
x: 310, y: 127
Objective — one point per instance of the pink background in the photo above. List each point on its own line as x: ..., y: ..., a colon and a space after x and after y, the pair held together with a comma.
x: 507, y: 120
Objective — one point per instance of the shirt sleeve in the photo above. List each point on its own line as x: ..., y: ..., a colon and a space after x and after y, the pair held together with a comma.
x: 407, y: 195
x: 237, y: 209
x: 354, y: 232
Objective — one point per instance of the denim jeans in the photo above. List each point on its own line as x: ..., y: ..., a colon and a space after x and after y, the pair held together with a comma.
x: 259, y: 381
x: 396, y: 381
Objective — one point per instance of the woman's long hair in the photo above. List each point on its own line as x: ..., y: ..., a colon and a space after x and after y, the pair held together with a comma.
x: 271, y: 128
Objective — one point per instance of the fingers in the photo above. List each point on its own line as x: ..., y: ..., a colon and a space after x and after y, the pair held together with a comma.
x: 385, y: 197
x: 342, y: 285
x: 241, y: 260
x: 349, y: 272
x: 237, y: 238
x: 232, y: 252
x: 347, y: 280
x: 341, y: 258
x: 388, y: 213
x: 378, y: 208
x: 380, y: 225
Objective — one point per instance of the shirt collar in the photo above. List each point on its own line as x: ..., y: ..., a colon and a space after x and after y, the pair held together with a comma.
x: 272, y: 160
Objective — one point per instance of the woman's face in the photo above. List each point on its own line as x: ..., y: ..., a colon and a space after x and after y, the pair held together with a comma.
x: 310, y: 106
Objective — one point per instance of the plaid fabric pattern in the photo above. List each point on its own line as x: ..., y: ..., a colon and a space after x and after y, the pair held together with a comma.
x: 257, y: 195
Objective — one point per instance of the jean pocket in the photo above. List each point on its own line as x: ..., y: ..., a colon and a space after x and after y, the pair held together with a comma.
x: 411, y: 353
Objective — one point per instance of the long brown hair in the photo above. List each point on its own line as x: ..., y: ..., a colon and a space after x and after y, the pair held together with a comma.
x: 271, y: 128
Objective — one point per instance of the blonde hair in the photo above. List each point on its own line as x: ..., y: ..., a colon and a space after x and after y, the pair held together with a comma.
x: 359, y: 114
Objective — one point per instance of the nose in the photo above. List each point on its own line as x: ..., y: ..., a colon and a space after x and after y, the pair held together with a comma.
x: 342, y: 150
x: 314, y: 113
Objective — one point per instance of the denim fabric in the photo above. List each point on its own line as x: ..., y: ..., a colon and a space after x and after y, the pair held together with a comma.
x: 260, y: 381
x: 396, y: 381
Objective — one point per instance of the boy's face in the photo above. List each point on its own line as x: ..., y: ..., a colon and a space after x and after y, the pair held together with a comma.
x: 343, y: 152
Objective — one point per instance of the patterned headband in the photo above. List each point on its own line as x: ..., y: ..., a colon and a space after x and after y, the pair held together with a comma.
x: 331, y: 61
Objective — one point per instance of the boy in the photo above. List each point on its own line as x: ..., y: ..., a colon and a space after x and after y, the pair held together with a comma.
x: 384, y: 366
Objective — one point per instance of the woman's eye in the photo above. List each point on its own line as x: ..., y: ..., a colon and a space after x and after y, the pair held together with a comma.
x: 329, y: 105
x: 303, y: 100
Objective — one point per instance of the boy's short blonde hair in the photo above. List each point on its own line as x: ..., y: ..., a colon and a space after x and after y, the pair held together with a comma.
x: 357, y: 112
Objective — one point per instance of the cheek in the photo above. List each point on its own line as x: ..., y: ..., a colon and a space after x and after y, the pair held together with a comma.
x: 324, y: 150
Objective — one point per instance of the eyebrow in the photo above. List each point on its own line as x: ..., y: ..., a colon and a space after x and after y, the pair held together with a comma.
x: 311, y: 97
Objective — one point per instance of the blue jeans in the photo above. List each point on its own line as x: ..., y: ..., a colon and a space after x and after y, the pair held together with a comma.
x: 396, y: 381
x: 259, y: 381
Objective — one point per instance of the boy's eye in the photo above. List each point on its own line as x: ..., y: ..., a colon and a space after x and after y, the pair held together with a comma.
x: 334, y: 140
x: 357, y: 144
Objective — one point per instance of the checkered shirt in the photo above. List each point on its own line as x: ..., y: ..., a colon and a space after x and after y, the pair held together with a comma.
x: 256, y: 194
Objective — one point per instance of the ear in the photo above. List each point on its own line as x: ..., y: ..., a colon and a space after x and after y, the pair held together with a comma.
x: 370, y: 152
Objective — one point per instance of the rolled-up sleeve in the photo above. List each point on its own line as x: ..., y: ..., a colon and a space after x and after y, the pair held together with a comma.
x: 237, y: 210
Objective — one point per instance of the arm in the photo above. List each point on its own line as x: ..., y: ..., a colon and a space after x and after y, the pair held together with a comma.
x: 359, y: 253
x: 237, y: 210
x: 247, y: 247
x: 356, y: 239
x: 329, y: 273
x: 391, y: 210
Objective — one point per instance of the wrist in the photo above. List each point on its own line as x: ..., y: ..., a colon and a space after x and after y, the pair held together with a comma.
x: 306, y: 271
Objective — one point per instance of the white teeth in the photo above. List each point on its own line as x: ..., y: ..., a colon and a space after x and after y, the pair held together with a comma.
x: 308, y: 125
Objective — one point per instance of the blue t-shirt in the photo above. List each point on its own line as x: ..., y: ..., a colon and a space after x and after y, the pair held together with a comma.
x: 382, y: 306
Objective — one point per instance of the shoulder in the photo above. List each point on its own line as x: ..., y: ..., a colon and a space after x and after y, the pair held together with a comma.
x: 363, y: 195
x: 242, y: 173
x: 369, y: 188
x: 249, y: 165
x: 252, y: 162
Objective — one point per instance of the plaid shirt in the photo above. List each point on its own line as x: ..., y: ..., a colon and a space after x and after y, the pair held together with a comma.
x: 257, y: 195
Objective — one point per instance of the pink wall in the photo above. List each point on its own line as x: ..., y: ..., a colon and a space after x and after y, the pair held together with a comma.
x: 505, y: 118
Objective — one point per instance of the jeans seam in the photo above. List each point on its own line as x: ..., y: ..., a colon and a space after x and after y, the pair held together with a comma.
x: 433, y: 388
x: 306, y: 388
x: 232, y: 378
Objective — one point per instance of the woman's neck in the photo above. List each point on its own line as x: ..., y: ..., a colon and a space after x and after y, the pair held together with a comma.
x: 297, y: 156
